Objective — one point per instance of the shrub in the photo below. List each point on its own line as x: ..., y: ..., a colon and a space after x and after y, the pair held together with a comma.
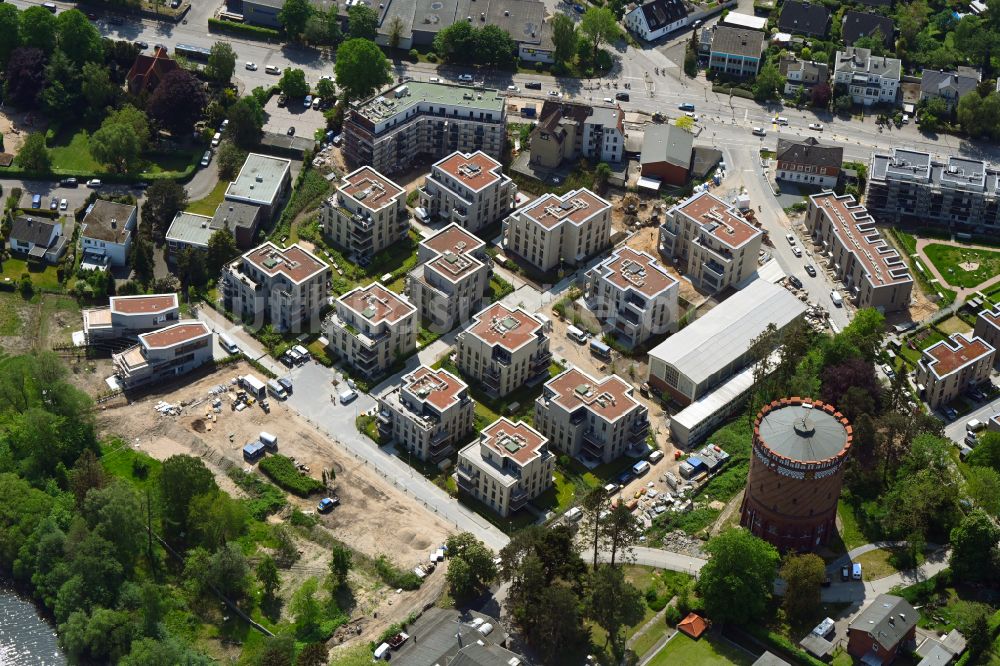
x: 299, y: 519
x: 414, y: 55
x: 265, y: 498
x: 672, y: 616
x: 140, y: 468
x: 394, y: 577
x: 282, y: 471
x: 243, y: 29
x: 432, y: 57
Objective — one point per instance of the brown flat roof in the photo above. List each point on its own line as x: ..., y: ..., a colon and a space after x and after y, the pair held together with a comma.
x: 500, y: 325
x: 628, y: 268
x: 609, y: 398
x: 438, y: 387
x: 576, y: 206
x: 453, y: 238
x: 375, y: 303
x: 992, y: 316
x: 143, y: 304
x: 179, y: 333
x: 857, y: 232
x: 719, y: 219
x: 517, y: 441
x: 370, y: 188
x: 950, y: 354
x: 294, y: 262
x: 474, y: 170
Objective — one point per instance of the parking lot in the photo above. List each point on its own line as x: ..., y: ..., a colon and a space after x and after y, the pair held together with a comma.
x: 75, y: 196
x: 294, y: 114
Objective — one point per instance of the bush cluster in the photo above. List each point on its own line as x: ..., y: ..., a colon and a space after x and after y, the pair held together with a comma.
x: 282, y: 471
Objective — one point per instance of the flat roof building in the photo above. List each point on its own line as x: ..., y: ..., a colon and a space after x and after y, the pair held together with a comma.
x: 106, y: 233
x: 372, y: 327
x: 873, y: 273
x: 713, y: 348
x: 988, y: 329
x: 469, y: 189
x: 128, y: 316
x: 262, y: 181
x: 736, y: 51
x: 366, y: 215
x: 503, y: 349
x: 508, y: 466
x: 164, y: 354
x: 594, y: 420
x: 554, y: 230
x: 946, y: 369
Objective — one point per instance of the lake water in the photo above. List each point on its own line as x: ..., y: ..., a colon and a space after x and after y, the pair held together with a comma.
x: 25, y: 638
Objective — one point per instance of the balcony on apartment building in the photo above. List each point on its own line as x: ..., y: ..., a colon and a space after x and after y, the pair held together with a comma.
x: 518, y: 498
x: 368, y: 340
x: 714, y: 269
x: 593, y: 446
x: 722, y: 255
x: 501, y: 356
x: 467, y: 478
x: 440, y: 447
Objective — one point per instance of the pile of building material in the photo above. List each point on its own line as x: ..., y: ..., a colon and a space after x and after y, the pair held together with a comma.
x: 167, y: 408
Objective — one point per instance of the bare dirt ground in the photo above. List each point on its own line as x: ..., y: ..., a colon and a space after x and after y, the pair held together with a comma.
x: 15, y: 127
x: 647, y: 240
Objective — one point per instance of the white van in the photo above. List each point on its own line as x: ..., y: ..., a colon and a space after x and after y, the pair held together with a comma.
x: 276, y: 389
x: 837, y: 299
x: 216, y: 139
x: 226, y: 343
x: 781, y: 120
x: 640, y: 468
x: 655, y: 457
x: 573, y: 333
x: 574, y: 514
x: 347, y: 395
x: 856, y: 571
x: 272, y: 69
x: 975, y: 425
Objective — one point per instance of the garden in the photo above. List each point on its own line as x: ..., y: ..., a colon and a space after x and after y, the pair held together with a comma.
x: 965, y: 267
x: 710, y: 650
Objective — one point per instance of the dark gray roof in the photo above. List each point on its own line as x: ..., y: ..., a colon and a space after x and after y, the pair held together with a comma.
x: 804, y: 18
x: 32, y: 230
x: 107, y: 221
x: 738, y: 41
x: 935, y: 83
x: 236, y: 214
x: 811, y: 72
x: 770, y: 659
x: 666, y: 143
x: 439, y: 634
x: 862, y: 24
x: 809, y: 151
x: 802, y: 433
x: 887, y: 620
x: 659, y: 13
x: 485, y: 655
x: 705, y: 159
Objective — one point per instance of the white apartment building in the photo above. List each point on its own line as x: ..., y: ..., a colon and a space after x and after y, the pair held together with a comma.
x: 951, y: 366
x: 709, y: 237
x: 285, y: 287
x: 504, y: 349
x: 393, y: 129
x: 656, y: 18
x: 869, y: 79
x: 372, y: 327
x: 164, y: 354
x: 508, y: 466
x: 106, y: 234
x: 988, y: 329
x: 451, y: 280
x: 428, y: 414
x: 633, y: 295
x: 468, y: 189
x: 366, y: 215
x: 590, y: 419
x: 552, y: 231
x: 128, y: 316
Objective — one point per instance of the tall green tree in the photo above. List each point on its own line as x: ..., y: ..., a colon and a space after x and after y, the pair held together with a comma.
x: 221, y: 250
x: 471, y: 568
x: 803, y: 576
x: 178, y: 101
x: 230, y: 571
x: 267, y: 574
x: 34, y: 156
x: 594, y: 505
x: 341, y: 561
x: 97, y: 88
x: 216, y: 519
x: 494, y: 46
x: 973, y: 548
x: 293, y: 83
x: 396, y: 28
x: 362, y: 22
x: 306, y: 609
x: 78, y: 38
x: 456, y: 43
x: 221, y: 62
x: 564, y: 36
x: 164, y: 199
x: 182, y: 478
x: 246, y: 122
x: 983, y: 486
x: 736, y: 582
x: 361, y: 68
x: 116, y: 514
x: 87, y: 474
x: 10, y: 28
x: 769, y: 84
x: 116, y: 145
x: 38, y: 29
x: 61, y: 96
x: 622, y: 531
x: 293, y: 16
x: 613, y: 603
x: 599, y: 26
x: 24, y: 77
x: 191, y: 269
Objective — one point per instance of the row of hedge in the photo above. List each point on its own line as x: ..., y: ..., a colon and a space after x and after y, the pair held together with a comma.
x: 283, y: 472
x: 242, y: 29
x: 23, y: 174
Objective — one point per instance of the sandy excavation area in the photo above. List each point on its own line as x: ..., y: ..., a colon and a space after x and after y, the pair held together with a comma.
x: 15, y: 127
x: 374, y: 517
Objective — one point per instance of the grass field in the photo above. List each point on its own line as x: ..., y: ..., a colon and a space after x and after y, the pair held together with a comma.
x: 850, y: 531
x: 208, y: 205
x: 708, y: 651
x: 46, y: 278
x: 70, y: 152
x: 954, y: 325
x: 947, y: 260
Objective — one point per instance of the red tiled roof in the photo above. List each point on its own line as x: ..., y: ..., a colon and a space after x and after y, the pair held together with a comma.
x: 517, y: 441
x: 498, y: 324
x: 693, y: 625
x: 148, y: 70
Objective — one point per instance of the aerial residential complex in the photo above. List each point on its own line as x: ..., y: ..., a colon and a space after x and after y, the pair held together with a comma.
x: 366, y: 215
x: 128, y: 316
x: 869, y: 79
x: 396, y: 128
x: 503, y: 349
x: 164, y: 354
x: 372, y: 327
x: 596, y: 420
x: 508, y: 466
x: 552, y: 231
x: 283, y: 286
x: 468, y: 189
x: 633, y: 295
x: 716, y: 245
x: 910, y: 185
x: 951, y: 366
x: 263, y: 181
x: 451, y: 280
x: 872, y: 271
x: 427, y: 414
x: 988, y: 329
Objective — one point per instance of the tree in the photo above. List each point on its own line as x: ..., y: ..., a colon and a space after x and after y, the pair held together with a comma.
x: 456, y: 43
x: 87, y: 474
x: 973, y: 543
x: 34, y: 156
x: 115, y: 514
x: 228, y: 160
x: 934, y: 111
x: 494, y: 46
x: 78, y: 38
x: 362, y: 22
x: 246, y: 121
x: 361, y: 68
x: 769, y: 83
x: 853, y: 387
x: 314, y: 654
x: 229, y: 571
x: 221, y: 250
x: 613, y: 603
x: 293, y: 83
x: 976, y: 42
x: 803, y: 576
x: 341, y: 561
x: 977, y: 115
x: 61, y: 96
x: 987, y: 452
x: 820, y: 95
x: 38, y: 29
x: 843, y: 103
x: 316, y: 30
x: 191, y: 269
x: 875, y: 42
x: 599, y: 26
x: 471, y: 567
x: 293, y: 16
x: 983, y: 486
x: 267, y: 574
x: 97, y: 88
x: 164, y: 199
x: 221, y: 62
x: 685, y: 123
x: 865, y: 333
x: 182, y: 478
x: 216, y: 519
x: 556, y: 627
x: 736, y: 582
x: 178, y: 102
x: 103, y: 636
x: 396, y: 28
x: 10, y: 28
x: 333, y: 33
x: 117, y: 145
x: 594, y: 504
x: 25, y: 75
x: 564, y: 36
x: 602, y: 172
x: 622, y: 530
x: 326, y: 89
x: 306, y: 609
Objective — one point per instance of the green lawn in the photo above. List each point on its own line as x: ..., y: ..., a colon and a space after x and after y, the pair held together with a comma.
x: 560, y: 496
x: 705, y: 652
x: 850, y: 530
x: 70, y: 152
x: 42, y: 277
x: 208, y: 205
x: 948, y: 259
x: 10, y: 321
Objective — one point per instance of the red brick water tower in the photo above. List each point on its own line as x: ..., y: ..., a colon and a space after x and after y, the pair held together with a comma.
x: 800, y: 447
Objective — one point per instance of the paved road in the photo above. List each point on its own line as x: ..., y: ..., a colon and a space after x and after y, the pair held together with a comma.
x: 955, y: 430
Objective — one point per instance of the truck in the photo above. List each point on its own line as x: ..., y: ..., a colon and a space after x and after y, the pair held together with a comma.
x: 253, y: 386
x: 974, y: 425
x: 276, y: 389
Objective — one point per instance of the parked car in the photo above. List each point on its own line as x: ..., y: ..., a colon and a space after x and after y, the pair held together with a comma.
x: 811, y: 270
x: 816, y: 126
x: 206, y: 158
x: 68, y: 182
x: 533, y: 85
x: 291, y: 131
x: 94, y: 183
x: 579, y: 9
x: 63, y: 205
x: 686, y: 106
x: 327, y: 504
x: 307, y: 102
x: 251, y: 66
x: 51, y: 6
x: 790, y: 238
x: 465, y: 78
x: 795, y: 281
x: 759, y: 131
x: 282, y: 100
x: 555, y: 93
x: 796, y: 250
x: 512, y: 89
x: 317, y: 102
x: 217, y: 139
x: 272, y: 69
x: 845, y: 572
x: 36, y: 201
x: 622, y: 97
x: 54, y: 204
x: 950, y: 413
x: 889, y: 372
